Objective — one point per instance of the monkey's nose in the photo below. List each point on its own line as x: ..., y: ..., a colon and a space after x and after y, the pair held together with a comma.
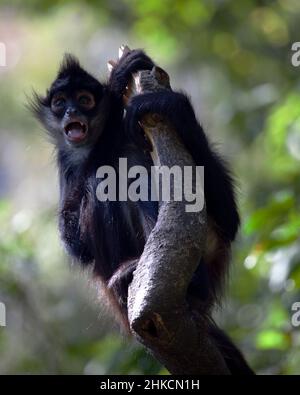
x: 72, y: 111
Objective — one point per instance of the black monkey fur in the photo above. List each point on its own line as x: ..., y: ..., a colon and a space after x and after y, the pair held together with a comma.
x: 110, y: 236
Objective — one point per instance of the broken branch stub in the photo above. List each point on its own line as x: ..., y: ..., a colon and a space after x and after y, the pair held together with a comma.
x: 158, y: 313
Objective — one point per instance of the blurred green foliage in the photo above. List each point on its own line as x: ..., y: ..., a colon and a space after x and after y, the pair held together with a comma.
x: 234, y: 58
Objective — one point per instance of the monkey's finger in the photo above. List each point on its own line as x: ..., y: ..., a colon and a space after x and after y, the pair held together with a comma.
x: 111, y: 64
x: 128, y: 93
x: 123, y: 50
x: 125, y: 100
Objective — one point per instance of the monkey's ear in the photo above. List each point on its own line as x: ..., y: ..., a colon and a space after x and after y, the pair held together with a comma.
x: 69, y: 65
x: 37, y: 105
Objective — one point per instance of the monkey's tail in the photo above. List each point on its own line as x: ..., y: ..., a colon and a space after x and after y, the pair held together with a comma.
x: 234, y: 359
x: 118, y: 287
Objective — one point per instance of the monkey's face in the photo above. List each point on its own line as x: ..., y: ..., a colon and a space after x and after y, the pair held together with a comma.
x: 74, y: 109
x: 75, y: 116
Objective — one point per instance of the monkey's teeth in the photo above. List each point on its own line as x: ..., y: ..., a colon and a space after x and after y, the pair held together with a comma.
x: 76, y: 131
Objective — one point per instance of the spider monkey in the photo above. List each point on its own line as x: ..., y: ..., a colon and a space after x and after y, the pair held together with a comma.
x: 85, y: 119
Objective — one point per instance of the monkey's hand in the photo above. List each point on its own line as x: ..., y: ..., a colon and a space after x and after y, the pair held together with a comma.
x: 130, y: 62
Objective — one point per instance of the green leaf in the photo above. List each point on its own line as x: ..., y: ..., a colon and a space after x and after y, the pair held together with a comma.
x: 272, y: 339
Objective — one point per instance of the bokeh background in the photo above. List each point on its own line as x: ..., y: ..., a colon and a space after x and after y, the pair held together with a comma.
x: 234, y: 59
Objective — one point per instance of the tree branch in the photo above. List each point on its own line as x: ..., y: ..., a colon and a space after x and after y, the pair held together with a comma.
x: 159, y: 315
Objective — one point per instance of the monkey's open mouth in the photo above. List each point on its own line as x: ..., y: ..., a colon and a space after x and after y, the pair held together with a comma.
x: 76, y: 131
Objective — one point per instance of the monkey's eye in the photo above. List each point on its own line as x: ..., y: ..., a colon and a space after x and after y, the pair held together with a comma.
x: 58, y: 103
x: 86, y: 100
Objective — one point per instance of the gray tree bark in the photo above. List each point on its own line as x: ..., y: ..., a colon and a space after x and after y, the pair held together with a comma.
x: 159, y: 315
